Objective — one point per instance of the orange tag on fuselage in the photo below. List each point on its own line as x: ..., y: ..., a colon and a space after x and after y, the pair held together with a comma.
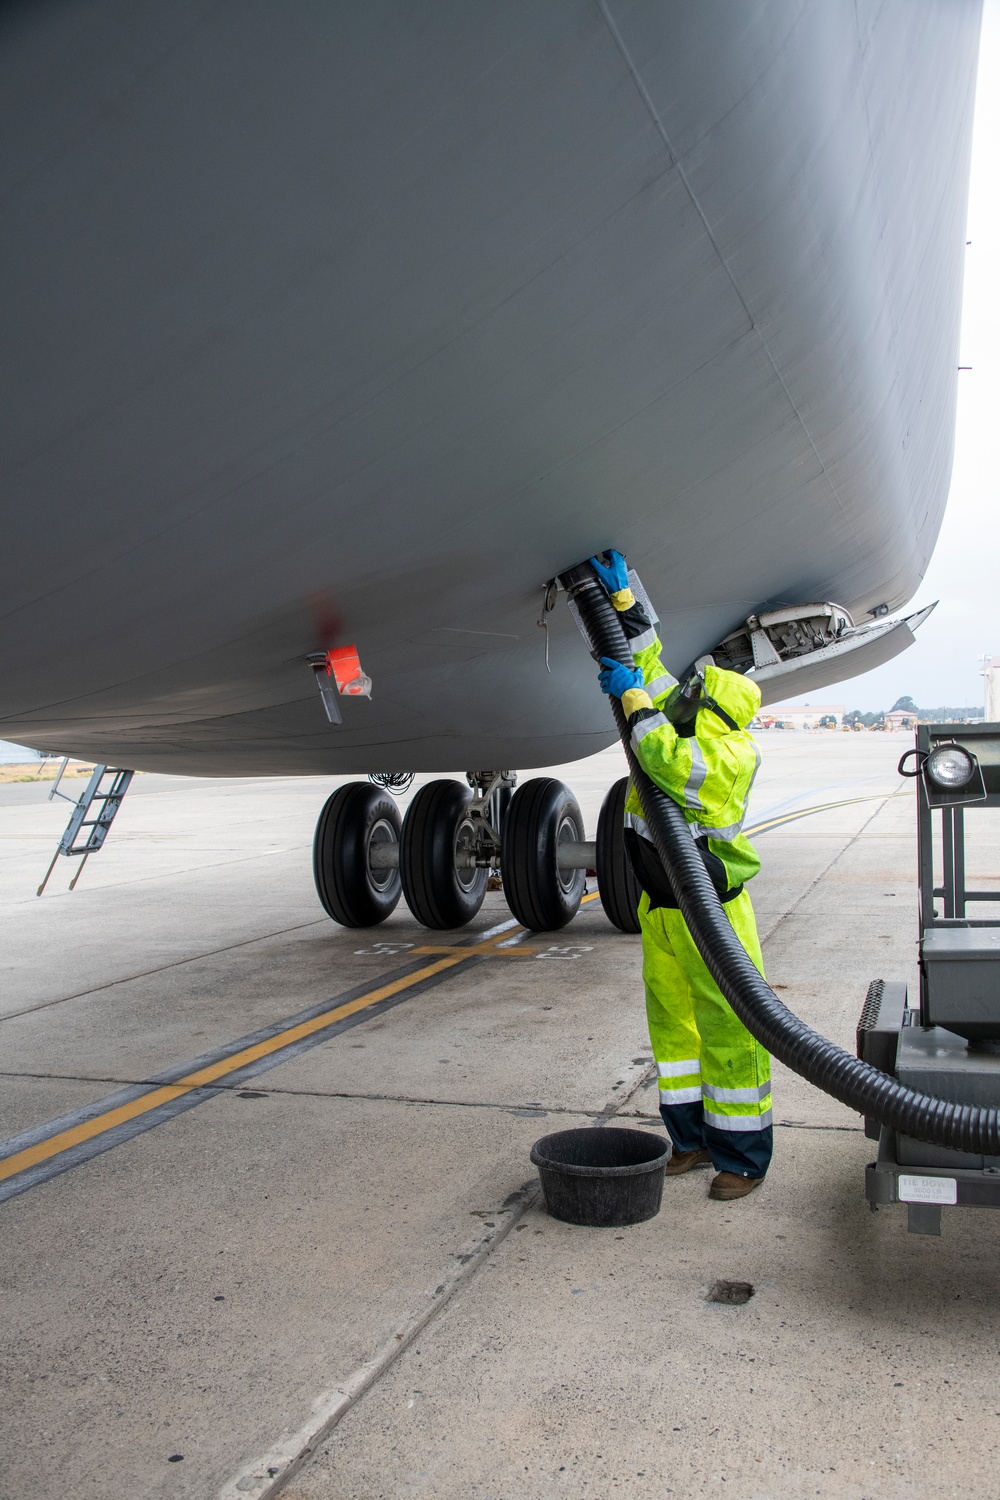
x: 344, y: 664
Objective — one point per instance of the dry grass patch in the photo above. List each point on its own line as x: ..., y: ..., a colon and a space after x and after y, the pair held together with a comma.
x: 44, y: 770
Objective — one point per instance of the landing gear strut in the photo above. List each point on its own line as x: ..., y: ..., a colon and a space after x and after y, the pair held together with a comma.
x: 451, y: 842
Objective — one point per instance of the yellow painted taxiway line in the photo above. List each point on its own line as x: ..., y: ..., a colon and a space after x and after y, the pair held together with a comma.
x: 805, y: 812
x: 88, y: 1129
x: 446, y: 957
x: 449, y: 958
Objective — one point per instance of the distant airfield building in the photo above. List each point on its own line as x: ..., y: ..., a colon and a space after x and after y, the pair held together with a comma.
x: 801, y: 715
x: 991, y: 672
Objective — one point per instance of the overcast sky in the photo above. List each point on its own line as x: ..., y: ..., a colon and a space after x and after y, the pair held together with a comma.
x: 964, y: 573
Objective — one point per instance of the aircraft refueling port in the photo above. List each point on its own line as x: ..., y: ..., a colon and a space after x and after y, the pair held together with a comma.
x: 890, y: 1092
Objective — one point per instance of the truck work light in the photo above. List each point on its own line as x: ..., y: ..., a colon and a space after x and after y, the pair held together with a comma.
x: 950, y: 767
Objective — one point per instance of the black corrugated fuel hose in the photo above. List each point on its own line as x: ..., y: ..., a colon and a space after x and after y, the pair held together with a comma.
x: 961, y: 1127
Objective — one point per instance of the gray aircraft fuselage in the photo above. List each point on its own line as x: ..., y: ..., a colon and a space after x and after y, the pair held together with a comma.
x: 331, y: 323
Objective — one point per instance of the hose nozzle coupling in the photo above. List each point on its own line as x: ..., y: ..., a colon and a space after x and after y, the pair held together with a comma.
x: 579, y: 578
x: 594, y: 614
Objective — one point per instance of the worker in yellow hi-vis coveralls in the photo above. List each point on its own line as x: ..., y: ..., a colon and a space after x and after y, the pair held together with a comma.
x: 691, y: 739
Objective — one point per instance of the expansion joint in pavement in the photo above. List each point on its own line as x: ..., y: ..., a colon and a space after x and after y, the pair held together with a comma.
x: 177, y: 963
x: 219, y: 864
x: 533, y: 1111
x: 766, y: 937
x: 268, y: 1475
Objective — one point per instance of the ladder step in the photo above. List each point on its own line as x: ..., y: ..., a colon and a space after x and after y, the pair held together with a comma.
x: 92, y: 832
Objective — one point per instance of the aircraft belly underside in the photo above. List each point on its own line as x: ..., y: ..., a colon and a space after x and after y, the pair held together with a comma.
x: 330, y: 324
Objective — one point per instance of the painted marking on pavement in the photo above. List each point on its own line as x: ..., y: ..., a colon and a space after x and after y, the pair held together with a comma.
x: 807, y: 812
x: 35, y: 1156
x: 68, y: 1146
x: 489, y: 950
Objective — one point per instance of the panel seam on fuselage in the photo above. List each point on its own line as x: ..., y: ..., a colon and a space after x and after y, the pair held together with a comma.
x: 648, y: 104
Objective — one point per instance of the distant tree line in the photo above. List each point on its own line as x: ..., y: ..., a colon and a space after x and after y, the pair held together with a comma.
x: 947, y: 714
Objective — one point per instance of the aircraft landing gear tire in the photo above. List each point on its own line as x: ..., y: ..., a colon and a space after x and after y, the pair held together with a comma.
x: 438, y: 834
x: 620, y: 891
x: 543, y: 813
x: 354, y: 819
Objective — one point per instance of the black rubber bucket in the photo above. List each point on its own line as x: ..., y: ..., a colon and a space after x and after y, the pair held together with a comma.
x: 602, y: 1177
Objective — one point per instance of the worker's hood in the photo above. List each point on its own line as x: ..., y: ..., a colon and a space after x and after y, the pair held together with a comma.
x: 739, y: 696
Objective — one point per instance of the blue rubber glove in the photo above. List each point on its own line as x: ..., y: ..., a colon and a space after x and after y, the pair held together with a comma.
x: 616, y: 680
x: 614, y: 573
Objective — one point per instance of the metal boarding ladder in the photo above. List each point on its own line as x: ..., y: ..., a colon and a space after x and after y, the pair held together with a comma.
x: 110, y: 799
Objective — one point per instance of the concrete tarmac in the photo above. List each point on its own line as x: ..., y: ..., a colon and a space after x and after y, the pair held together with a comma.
x: 324, y: 1265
